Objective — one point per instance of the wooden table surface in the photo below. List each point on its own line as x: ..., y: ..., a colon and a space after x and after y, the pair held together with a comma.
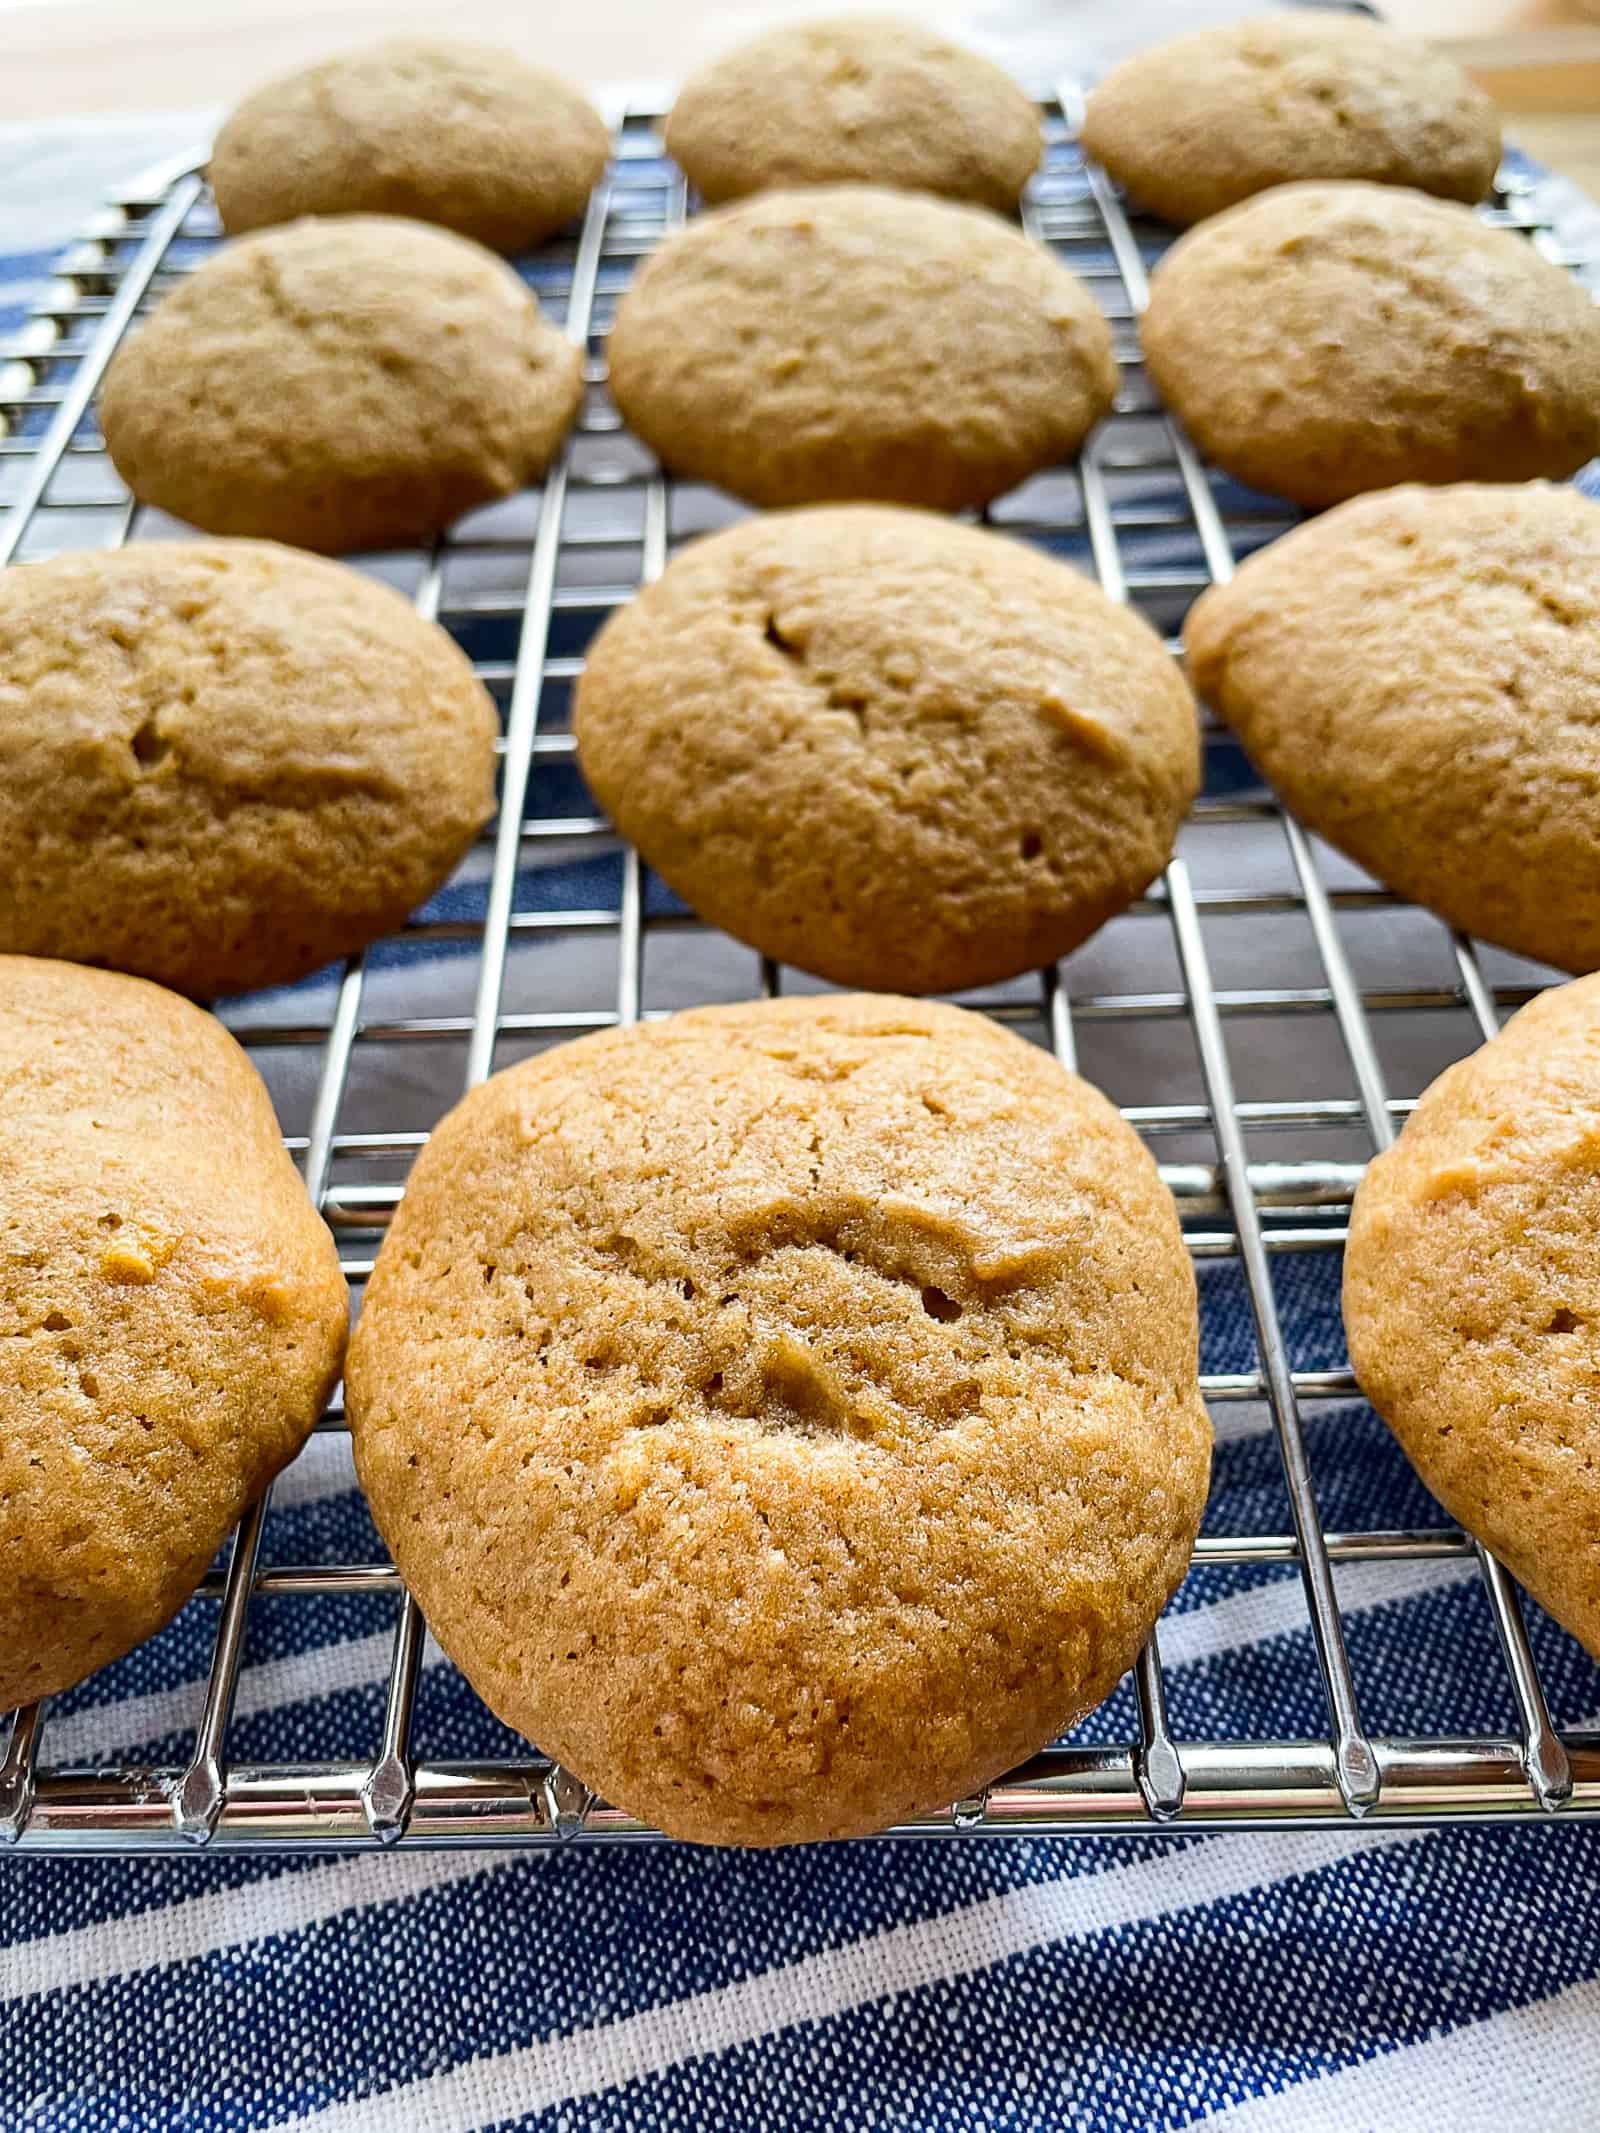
x: 64, y: 59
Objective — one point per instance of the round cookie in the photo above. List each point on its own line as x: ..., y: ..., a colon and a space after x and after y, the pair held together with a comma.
x: 1373, y: 336
x: 850, y: 341
x: 429, y: 127
x: 351, y: 383
x: 785, y: 1414
x: 1201, y: 122
x: 864, y: 100
x: 171, y: 1312
x: 894, y: 750
x: 223, y: 764
x: 1417, y: 674
x: 1472, y: 1297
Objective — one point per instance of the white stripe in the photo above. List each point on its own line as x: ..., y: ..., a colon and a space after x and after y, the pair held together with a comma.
x: 197, y: 1925
x: 323, y: 1671
x: 816, y: 1988
x: 1275, y: 1609
x: 324, y: 1469
x: 1535, y: 2066
x: 1232, y: 1420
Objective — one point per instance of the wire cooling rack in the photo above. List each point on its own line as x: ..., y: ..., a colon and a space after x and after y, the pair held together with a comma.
x: 1265, y: 1017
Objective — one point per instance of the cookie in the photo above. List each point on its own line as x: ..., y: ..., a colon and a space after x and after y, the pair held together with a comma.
x: 1417, y: 674
x: 786, y: 1415
x: 897, y: 751
x: 1371, y: 336
x: 459, y: 134
x: 172, y: 1310
x: 1197, y: 124
x: 351, y: 383
x: 223, y: 764
x: 862, y: 100
x: 1472, y: 1297
x: 853, y: 342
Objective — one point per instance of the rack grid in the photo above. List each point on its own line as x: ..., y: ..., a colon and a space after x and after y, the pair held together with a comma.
x: 1253, y: 1014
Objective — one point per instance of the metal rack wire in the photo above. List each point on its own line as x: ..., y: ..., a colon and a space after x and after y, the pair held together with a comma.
x: 522, y: 586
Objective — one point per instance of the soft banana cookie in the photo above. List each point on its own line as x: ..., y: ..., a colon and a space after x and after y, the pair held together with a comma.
x: 892, y: 749
x: 171, y: 1312
x: 1472, y: 1297
x: 223, y: 764
x: 1372, y: 336
x: 786, y: 1414
x: 1199, y: 123
x: 1418, y: 674
x: 864, y: 99
x: 351, y: 383
x: 430, y: 127
x: 849, y: 341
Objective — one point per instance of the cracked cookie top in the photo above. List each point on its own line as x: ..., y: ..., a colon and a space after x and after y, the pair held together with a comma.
x: 350, y: 382
x: 222, y: 763
x: 785, y: 1414
x: 896, y: 751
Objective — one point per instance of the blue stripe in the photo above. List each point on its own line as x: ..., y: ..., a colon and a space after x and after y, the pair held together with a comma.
x: 22, y: 279
x: 63, y: 1896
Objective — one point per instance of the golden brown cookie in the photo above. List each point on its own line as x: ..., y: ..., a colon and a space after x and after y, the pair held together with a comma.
x: 1417, y: 673
x: 1472, y: 1297
x: 1372, y: 336
x: 442, y: 131
x: 1199, y: 123
x: 171, y: 1312
x: 222, y: 764
x: 351, y: 383
x: 892, y: 749
x: 785, y: 1414
x: 862, y: 100
x: 850, y: 341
